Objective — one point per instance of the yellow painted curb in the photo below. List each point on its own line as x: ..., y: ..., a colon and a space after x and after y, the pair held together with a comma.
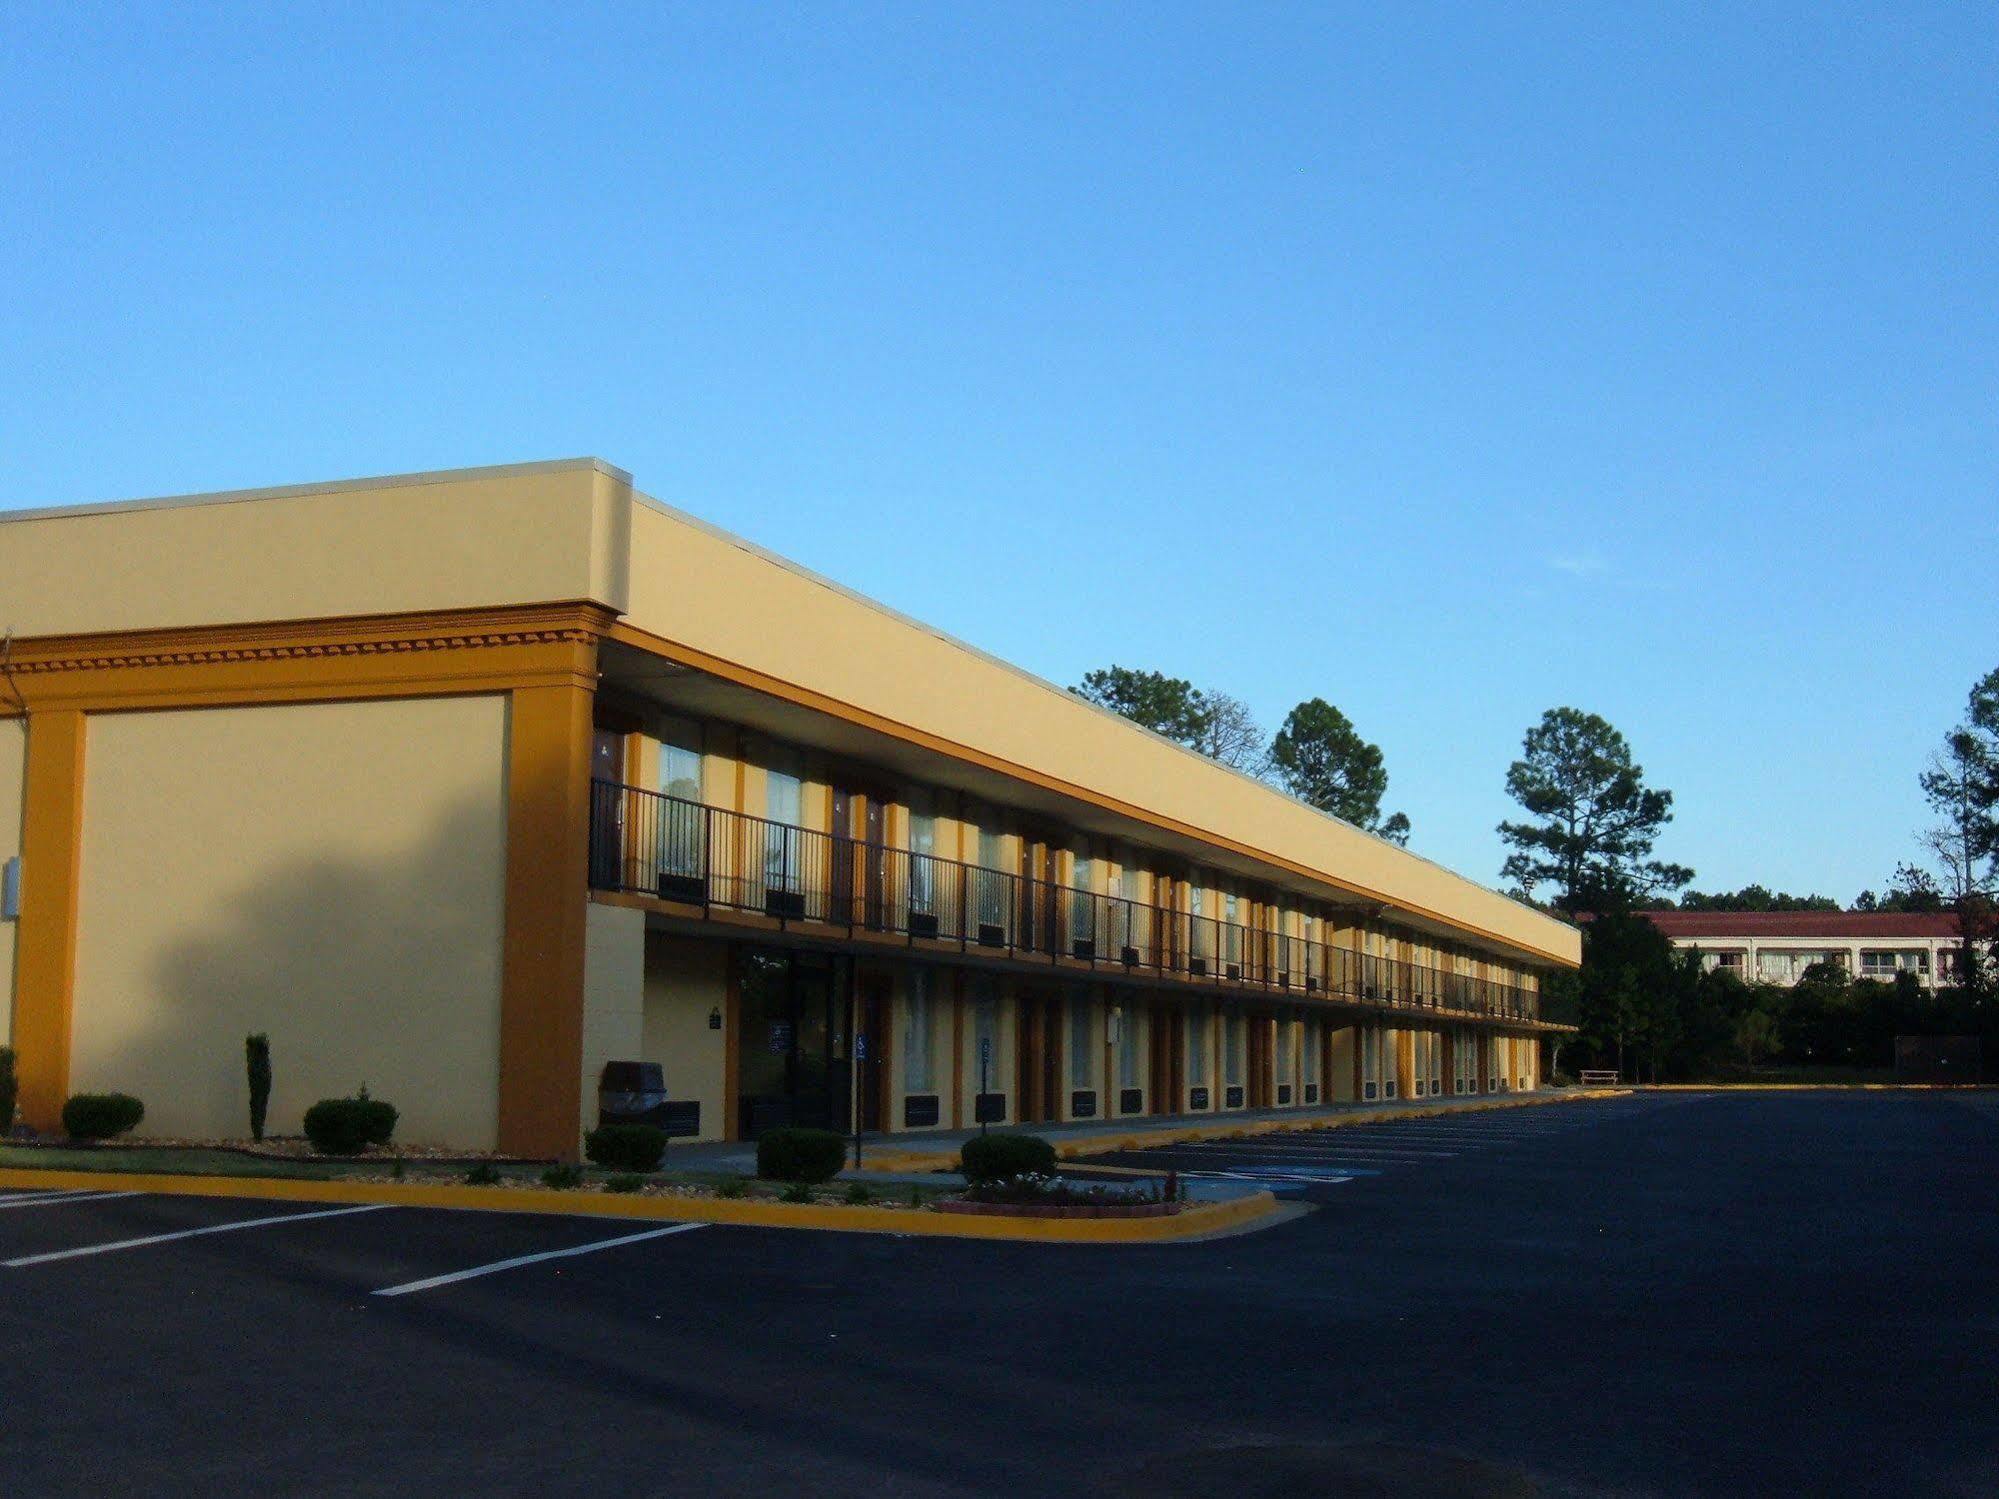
x: 946, y: 1160
x: 1201, y: 1218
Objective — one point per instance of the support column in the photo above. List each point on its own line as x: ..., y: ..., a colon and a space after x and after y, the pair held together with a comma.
x: 548, y: 873
x: 45, y: 953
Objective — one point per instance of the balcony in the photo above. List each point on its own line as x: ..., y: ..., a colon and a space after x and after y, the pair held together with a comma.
x: 712, y: 860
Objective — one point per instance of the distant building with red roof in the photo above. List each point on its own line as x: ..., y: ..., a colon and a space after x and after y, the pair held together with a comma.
x: 1776, y: 947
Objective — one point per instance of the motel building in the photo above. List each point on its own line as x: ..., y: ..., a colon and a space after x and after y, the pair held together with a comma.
x: 464, y: 785
x: 1776, y: 947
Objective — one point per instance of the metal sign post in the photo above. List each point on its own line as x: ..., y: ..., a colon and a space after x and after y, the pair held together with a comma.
x: 985, y: 1065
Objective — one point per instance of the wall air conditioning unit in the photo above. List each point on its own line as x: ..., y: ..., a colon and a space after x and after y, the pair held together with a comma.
x: 1311, y: 1092
x: 785, y: 905
x: 1084, y: 948
x: 1130, y: 957
x: 1234, y: 972
x: 923, y: 924
x: 690, y: 889
x: 1232, y: 1097
x: 1197, y: 1100
x: 991, y: 934
x: 1311, y: 985
x: 1198, y: 967
x: 1284, y: 1093
x: 1083, y: 1103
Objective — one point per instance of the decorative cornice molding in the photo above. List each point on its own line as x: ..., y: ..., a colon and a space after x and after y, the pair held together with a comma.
x: 294, y: 640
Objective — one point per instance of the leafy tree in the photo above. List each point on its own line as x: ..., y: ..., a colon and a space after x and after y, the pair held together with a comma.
x: 1321, y: 759
x: 1596, y: 819
x: 1961, y: 785
x: 1755, y: 898
x: 1166, y: 705
x: 1756, y: 1035
x: 1229, y: 733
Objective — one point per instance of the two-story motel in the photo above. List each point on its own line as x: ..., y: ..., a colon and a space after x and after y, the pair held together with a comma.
x: 462, y: 785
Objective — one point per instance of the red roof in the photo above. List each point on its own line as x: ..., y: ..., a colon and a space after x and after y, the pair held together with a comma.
x: 1860, y: 925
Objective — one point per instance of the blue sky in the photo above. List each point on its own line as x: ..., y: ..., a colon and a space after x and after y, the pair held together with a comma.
x: 1449, y: 363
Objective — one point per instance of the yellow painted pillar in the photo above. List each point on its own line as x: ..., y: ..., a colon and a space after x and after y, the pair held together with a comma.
x: 45, y: 945
x: 547, y: 901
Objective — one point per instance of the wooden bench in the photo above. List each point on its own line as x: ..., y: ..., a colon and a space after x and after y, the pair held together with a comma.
x: 1600, y: 1079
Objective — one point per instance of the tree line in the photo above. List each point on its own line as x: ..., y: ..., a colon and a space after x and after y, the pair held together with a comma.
x: 1586, y: 840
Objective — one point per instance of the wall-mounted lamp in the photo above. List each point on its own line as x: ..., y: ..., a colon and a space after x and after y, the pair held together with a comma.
x: 715, y: 1018
x: 10, y: 888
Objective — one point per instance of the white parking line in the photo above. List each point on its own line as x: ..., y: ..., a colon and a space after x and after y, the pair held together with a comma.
x: 189, y: 1233
x: 1265, y: 1147
x: 533, y: 1259
x: 47, y: 1199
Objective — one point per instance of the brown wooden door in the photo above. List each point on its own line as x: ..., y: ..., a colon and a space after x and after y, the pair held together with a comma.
x: 872, y: 1070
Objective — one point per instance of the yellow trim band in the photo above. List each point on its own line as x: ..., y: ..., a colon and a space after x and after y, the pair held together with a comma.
x: 1200, y: 1219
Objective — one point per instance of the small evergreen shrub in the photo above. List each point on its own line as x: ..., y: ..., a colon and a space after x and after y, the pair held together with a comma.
x: 624, y: 1181
x: 858, y: 1193
x: 916, y: 1197
x: 800, y: 1155
x: 257, y: 1063
x: 340, y: 1126
x: 99, y: 1116
x: 796, y: 1192
x: 991, y: 1158
x: 482, y: 1175
x: 731, y: 1186
x: 625, y: 1147
x: 381, y: 1117
x: 562, y: 1178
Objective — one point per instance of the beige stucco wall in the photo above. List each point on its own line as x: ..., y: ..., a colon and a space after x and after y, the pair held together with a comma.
x: 614, y: 960
x: 331, y: 874
x: 688, y: 582
x: 13, y: 767
x: 533, y: 533
x: 685, y: 980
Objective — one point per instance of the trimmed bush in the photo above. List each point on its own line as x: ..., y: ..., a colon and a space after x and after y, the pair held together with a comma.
x: 10, y: 1088
x: 342, y: 1126
x: 381, y: 1117
x: 482, y: 1175
x: 991, y: 1158
x: 625, y: 1147
x: 257, y: 1063
x: 99, y: 1116
x: 800, y: 1155
x: 624, y: 1181
x: 796, y: 1192
x: 562, y: 1178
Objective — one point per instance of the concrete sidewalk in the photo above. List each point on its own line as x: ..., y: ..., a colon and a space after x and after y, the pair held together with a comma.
x: 741, y: 1155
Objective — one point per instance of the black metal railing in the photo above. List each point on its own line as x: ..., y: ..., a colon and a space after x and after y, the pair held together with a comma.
x: 649, y: 843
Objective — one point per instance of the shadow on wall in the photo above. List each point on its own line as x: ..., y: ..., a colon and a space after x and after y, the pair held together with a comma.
x: 383, y: 971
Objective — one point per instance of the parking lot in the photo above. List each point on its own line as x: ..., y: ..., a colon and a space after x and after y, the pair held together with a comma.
x: 1309, y: 1164
x: 1662, y: 1294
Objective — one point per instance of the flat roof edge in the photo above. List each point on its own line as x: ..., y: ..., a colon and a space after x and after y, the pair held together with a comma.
x: 331, y: 486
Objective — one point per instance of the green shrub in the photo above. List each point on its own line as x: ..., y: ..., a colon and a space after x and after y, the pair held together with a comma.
x: 562, y: 1178
x: 731, y: 1186
x: 340, y: 1126
x: 257, y: 1063
x: 625, y: 1147
x: 624, y: 1181
x: 99, y: 1116
x: 800, y: 1155
x: 482, y: 1175
x: 796, y: 1192
x: 381, y: 1117
x: 916, y: 1197
x: 991, y: 1158
x: 858, y: 1193
x: 10, y: 1088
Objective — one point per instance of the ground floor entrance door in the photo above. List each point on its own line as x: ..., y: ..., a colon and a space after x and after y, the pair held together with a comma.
x: 792, y: 1041
x: 873, y: 1005
x: 1169, y: 1061
x: 1038, y: 1059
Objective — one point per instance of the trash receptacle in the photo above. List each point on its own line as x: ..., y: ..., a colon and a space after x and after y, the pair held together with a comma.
x: 632, y: 1093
